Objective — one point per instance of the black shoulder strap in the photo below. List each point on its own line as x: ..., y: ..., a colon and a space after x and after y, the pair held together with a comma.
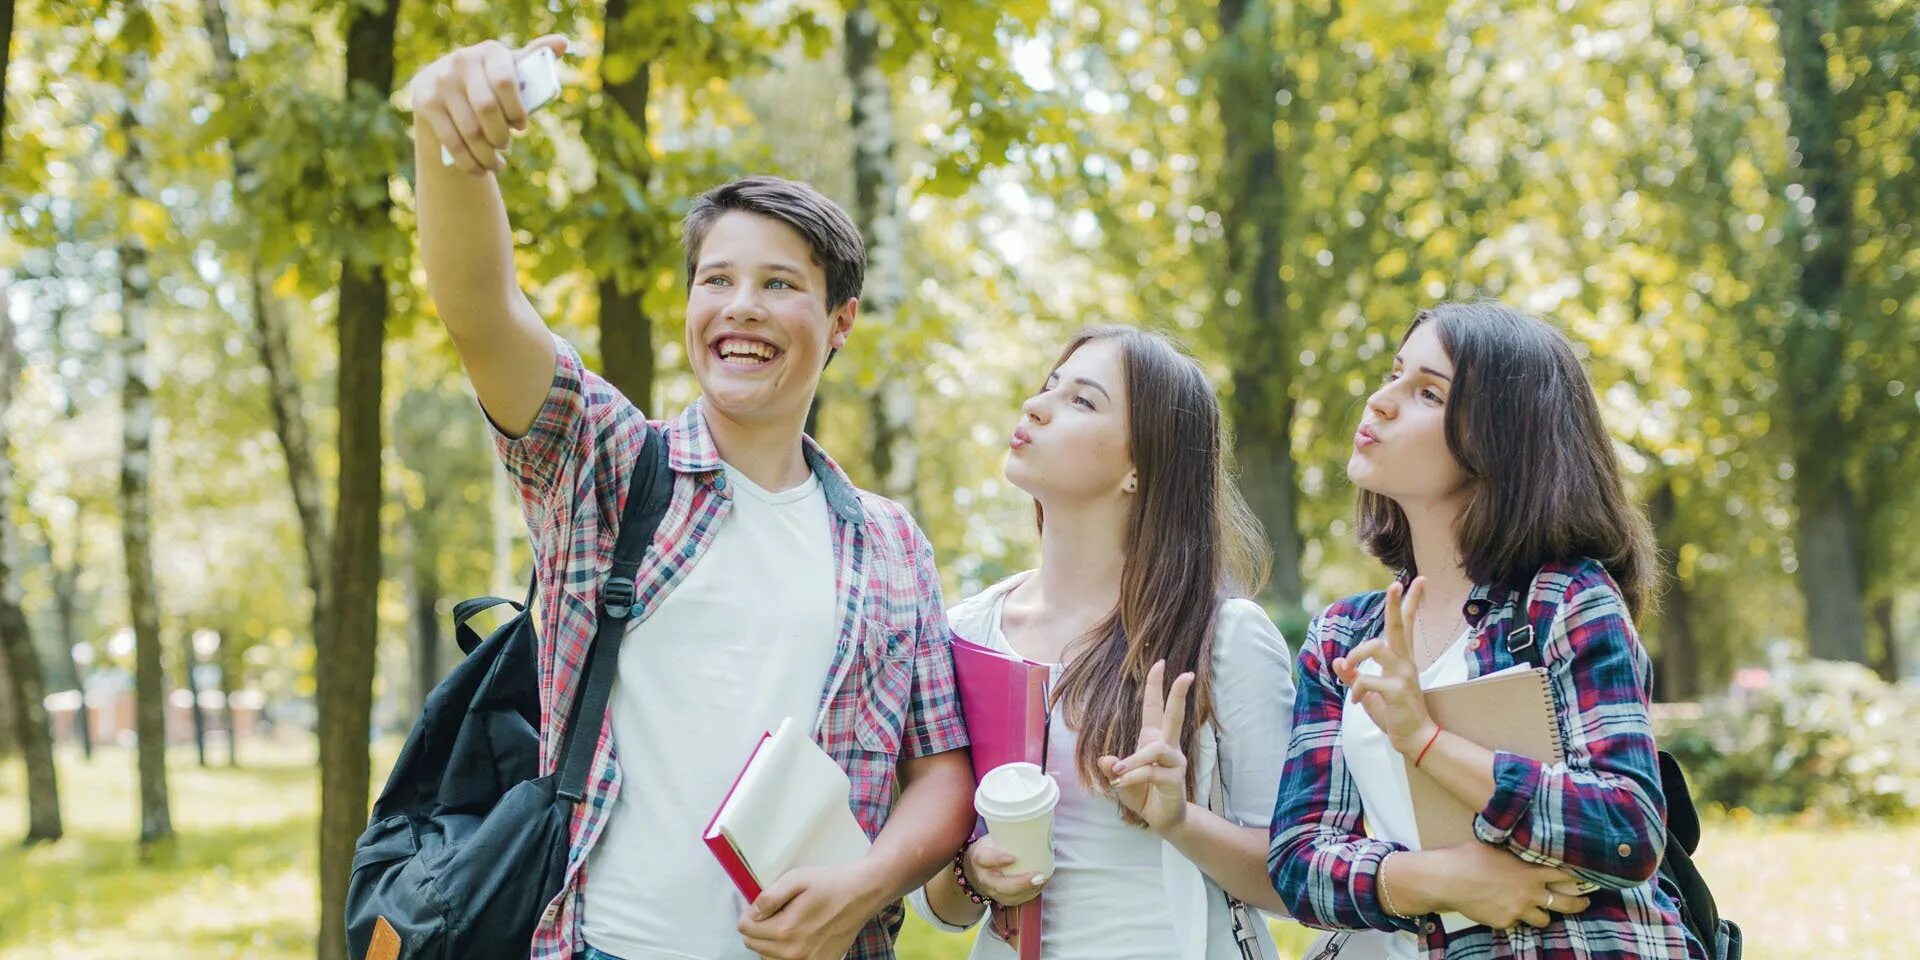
x: 648, y: 493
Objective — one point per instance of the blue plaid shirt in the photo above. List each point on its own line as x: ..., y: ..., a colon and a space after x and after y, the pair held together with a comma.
x: 1599, y: 813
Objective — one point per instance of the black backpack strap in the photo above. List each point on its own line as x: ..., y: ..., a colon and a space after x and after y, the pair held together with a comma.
x: 649, y: 493
x: 468, y: 609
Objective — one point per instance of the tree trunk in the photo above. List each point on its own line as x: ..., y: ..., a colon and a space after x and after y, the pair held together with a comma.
x: 1678, y: 675
x: 626, y: 332
x: 189, y: 658
x: 273, y: 345
x: 347, y: 655
x: 66, y: 576
x: 296, y: 446
x: 136, y: 466
x: 424, y: 585
x: 9, y: 742
x: 229, y: 677
x: 6, y: 47
x: 28, y: 691
x: 1253, y: 202
x: 66, y: 615
x: 1886, y: 662
x: 1829, y: 548
x: 1828, y: 528
x: 891, y: 404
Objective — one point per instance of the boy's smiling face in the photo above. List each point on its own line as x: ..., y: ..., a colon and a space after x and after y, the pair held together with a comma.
x: 758, y: 328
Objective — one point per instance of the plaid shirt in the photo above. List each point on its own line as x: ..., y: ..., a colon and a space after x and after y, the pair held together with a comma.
x: 890, y: 692
x: 1598, y: 814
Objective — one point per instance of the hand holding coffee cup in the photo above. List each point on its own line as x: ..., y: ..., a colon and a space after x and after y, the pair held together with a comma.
x: 990, y: 872
x: 1017, y: 801
x: 1152, y: 783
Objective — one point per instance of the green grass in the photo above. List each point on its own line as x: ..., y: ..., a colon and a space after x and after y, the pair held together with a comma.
x: 238, y: 880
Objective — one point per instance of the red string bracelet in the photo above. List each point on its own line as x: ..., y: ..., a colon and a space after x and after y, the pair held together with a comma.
x: 1429, y: 746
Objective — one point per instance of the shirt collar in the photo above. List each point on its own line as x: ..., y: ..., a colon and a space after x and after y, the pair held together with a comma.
x: 1485, y: 598
x: 690, y: 449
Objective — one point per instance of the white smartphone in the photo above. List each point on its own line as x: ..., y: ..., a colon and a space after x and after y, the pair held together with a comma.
x: 538, y: 75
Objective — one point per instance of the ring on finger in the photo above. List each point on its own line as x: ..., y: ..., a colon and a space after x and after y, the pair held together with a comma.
x: 1549, y: 899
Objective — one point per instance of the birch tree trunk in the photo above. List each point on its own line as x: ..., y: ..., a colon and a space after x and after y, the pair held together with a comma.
x: 136, y: 462
x: 891, y: 404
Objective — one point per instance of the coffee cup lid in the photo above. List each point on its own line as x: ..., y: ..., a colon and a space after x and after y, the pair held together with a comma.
x: 1014, y: 791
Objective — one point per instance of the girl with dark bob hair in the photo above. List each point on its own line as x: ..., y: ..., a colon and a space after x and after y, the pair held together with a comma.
x: 1489, y: 486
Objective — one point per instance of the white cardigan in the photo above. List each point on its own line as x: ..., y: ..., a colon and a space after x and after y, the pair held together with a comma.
x: 1253, y: 712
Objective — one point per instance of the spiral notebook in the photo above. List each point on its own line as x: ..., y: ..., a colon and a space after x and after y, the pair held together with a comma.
x: 1510, y: 711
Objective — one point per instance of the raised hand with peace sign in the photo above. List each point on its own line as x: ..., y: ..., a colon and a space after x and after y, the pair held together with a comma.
x: 1392, y: 696
x: 1152, y: 782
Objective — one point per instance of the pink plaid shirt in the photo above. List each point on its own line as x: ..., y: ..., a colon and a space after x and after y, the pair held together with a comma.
x: 890, y: 692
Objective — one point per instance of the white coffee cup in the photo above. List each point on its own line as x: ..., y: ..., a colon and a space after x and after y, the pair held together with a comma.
x: 1017, y: 801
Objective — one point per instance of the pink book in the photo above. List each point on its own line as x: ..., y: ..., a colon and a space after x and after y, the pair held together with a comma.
x: 1003, y: 699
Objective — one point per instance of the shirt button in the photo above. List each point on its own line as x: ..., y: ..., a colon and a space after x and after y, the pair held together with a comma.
x: 1473, y: 644
x: 1626, y: 850
x: 1475, y: 608
x: 1427, y: 927
x: 720, y: 482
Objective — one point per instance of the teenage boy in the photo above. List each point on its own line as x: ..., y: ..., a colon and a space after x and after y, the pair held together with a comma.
x: 775, y: 587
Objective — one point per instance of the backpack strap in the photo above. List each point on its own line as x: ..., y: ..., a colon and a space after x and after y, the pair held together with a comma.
x: 1239, y: 915
x: 649, y: 492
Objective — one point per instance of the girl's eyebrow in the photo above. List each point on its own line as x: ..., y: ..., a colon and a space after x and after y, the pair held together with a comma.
x: 1401, y: 361
x: 1083, y: 381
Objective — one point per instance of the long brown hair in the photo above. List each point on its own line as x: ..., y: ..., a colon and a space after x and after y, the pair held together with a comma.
x: 1191, y: 541
x: 1523, y: 423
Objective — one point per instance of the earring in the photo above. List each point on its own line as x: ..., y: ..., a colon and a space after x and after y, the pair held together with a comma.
x: 1131, y: 485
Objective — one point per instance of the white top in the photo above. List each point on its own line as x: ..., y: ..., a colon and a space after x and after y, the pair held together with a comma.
x: 1119, y: 891
x: 1380, y: 774
x: 1099, y: 861
x: 701, y: 679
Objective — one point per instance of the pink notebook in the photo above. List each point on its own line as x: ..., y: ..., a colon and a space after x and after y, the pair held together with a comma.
x: 1003, y: 699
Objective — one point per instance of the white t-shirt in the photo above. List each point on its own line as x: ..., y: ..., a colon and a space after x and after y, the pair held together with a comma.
x: 743, y: 641
x: 1380, y: 774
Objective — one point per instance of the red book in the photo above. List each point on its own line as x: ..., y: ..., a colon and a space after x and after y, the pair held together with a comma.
x: 1003, y: 699
x: 787, y: 809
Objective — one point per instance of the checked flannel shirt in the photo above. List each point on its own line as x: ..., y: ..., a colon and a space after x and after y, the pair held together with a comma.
x: 890, y: 693
x: 1599, y: 813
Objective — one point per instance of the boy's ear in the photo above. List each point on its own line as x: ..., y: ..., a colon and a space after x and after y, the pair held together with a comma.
x: 842, y: 321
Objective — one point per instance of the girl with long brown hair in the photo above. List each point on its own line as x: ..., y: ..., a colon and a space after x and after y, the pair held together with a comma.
x: 1162, y: 675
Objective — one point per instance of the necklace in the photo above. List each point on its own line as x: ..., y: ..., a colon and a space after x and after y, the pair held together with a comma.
x: 1426, y: 648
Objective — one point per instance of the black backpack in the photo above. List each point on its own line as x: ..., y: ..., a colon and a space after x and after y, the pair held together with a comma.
x: 468, y: 844
x: 1677, y: 875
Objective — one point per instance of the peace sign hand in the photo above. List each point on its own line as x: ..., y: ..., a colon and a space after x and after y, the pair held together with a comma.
x: 1391, y: 697
x: 1152, y: 783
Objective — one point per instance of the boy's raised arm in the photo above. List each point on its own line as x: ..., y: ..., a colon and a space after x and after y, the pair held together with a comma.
x: 468, y: 102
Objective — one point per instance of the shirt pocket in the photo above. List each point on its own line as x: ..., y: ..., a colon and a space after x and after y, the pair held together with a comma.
x: 886, y: 685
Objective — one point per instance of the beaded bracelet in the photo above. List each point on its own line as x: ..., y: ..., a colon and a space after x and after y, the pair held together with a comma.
x: 960, y: 878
